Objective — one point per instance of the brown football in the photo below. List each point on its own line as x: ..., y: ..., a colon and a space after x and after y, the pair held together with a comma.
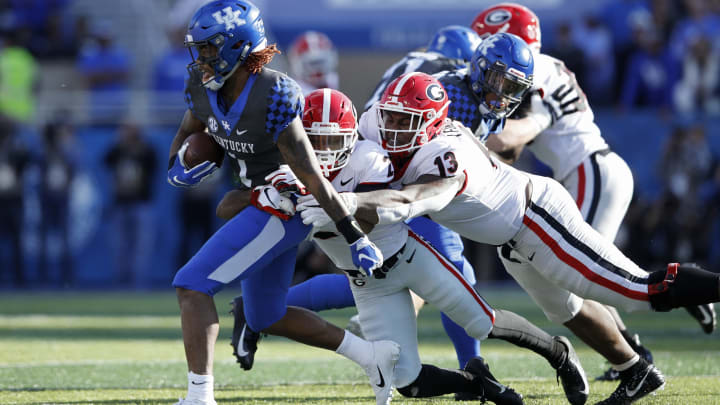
x: 202, y: 147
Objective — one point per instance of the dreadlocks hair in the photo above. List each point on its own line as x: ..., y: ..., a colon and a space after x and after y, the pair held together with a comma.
x: 257, y: 60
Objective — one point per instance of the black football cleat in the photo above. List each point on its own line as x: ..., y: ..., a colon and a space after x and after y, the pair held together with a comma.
x: 636, y: 382
x: 705, y: 315
x: 244, y: 340
x: 571, y: 375
x: 489, y: 389
x: 613, y: 375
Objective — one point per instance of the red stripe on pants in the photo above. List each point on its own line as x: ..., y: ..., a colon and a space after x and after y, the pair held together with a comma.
x: 579, y: 266
x: 488, y: 311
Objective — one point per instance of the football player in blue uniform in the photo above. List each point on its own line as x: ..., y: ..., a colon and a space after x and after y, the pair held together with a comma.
x: 253, y: 113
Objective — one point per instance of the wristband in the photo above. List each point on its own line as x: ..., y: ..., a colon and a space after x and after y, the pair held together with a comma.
x: 349, y: 229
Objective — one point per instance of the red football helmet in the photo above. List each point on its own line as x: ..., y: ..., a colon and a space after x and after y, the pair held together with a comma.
x: 313, y: 59
x: 330, y: 121
x: 511, y: 18
x: 411, y: 112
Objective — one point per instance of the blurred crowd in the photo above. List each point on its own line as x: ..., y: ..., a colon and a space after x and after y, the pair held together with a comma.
x: 662, y: 54
x: 69, y: 172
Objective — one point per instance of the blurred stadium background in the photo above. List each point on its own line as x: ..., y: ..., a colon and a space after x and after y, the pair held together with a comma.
x: 91, y: 96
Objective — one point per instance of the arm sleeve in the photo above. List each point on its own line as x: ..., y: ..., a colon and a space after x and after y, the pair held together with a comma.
x: 416, y: 208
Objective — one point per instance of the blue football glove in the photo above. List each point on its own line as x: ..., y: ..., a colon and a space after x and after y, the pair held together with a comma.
x: 180, y: 176
x: 366, y: 256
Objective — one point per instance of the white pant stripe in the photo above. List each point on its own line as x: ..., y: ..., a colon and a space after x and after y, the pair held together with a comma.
x: 238, y: 263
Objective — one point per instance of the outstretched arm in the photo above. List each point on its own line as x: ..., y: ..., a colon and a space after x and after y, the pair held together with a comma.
x: 532, y: 117
x: 429, y: 194
x: 510, y: 142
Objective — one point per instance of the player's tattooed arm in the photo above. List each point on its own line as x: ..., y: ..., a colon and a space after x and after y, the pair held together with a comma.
x: 298, y: 154
x: 188, y: 125
x: 428, y: 194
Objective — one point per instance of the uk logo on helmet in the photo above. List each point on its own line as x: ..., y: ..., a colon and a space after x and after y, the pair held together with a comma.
x: 488, y: 43
x: 435, y: 92
x: 231, y: 18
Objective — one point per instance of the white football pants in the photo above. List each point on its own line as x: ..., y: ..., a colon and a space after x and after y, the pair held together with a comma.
x: 386, y: 310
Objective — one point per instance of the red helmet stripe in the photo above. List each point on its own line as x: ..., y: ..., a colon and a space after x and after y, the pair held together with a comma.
x: 401, y: 82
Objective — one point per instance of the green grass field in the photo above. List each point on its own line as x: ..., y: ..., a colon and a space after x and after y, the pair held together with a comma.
x: 126, y: 348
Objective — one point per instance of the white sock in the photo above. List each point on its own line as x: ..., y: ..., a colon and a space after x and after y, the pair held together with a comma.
x: 627, y: 364
x: 356, y: 349
x: 200, y: 387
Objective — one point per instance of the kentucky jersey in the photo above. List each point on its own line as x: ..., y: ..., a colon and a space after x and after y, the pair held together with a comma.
x: 425, y: 62
x: 248, y: 141
x: 569, y: 132
x: 465, y: 105
x: 368, y: 165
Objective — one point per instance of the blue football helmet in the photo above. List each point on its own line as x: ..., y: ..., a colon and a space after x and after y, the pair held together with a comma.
x: 222, y: 34
x: 455, y: 41
x: 501, y: 72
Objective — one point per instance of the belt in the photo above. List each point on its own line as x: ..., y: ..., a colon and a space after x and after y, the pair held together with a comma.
x: 391, y: 261
x: 388, y: 264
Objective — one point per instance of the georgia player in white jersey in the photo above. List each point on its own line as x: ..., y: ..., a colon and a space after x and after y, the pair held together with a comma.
x: 558, y: 127
x: 383, y: 300
x: 453, y: 178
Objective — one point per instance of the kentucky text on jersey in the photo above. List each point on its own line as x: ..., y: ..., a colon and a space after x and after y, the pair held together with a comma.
x: 234, y: 146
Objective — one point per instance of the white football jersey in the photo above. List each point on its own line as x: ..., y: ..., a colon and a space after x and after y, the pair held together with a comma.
x: 368, y: 165
x: 570, y: 134
x: 491, y: 205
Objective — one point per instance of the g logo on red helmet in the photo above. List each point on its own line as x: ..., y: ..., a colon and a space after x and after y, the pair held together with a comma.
x: 497, y: 17
x: 435, y: 92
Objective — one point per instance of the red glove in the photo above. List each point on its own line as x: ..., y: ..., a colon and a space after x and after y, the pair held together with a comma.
x: 284, y: 180
x: 268, y: 199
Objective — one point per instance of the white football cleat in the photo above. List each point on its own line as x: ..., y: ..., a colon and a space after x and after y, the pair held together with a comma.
x: 386, y: 353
